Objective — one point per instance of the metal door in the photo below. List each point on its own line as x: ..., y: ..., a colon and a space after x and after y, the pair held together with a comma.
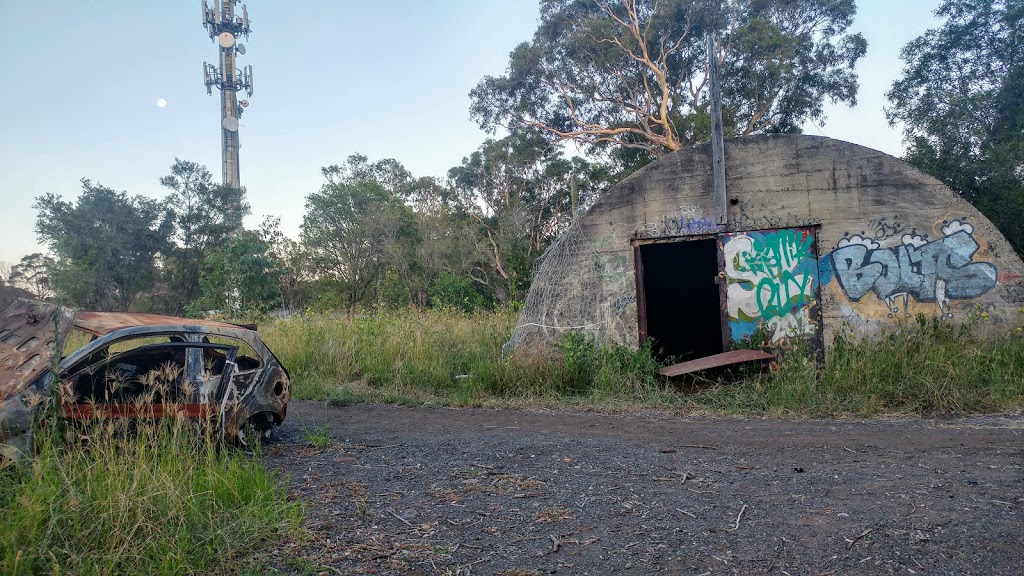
x: 769, y: 284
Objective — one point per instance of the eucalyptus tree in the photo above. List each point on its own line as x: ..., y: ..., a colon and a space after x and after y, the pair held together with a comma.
x: 356, y: 228
x: 630, y: 76
x: 960, y: 100
x: 518, y: 192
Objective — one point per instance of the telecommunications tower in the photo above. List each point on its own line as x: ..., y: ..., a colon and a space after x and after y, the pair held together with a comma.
x: 225, y: 28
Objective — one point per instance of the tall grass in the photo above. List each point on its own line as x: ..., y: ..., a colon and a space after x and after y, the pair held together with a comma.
x: 156, y: 498
x: 452, y: 358
x: 434, y: 356
x: 926, y: 367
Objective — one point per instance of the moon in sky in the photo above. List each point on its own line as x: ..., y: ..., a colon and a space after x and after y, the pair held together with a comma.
x: 160, y: 103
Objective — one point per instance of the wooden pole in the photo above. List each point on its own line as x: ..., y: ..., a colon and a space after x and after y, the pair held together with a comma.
x: 717, y: 133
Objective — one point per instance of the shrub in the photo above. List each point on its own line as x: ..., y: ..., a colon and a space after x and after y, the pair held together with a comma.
x: 455, y: 293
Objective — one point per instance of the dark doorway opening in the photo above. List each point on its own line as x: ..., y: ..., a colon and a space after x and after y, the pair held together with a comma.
x: 680, y: 304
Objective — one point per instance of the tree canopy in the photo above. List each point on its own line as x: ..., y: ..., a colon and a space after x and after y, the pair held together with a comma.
x: 356, y: 227
x: 632, y: 74
x: 106, y: 245
x: 961, y: 103
x: 205, y: 214
x: 518, y: 193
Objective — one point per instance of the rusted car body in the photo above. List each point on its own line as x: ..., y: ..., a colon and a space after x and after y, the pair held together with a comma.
x: 135, y: 366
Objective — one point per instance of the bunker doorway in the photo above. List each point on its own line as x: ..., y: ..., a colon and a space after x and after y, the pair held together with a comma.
x: 679, y: 302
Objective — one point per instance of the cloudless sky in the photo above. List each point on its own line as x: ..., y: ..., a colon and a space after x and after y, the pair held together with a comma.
x: 384, y: 78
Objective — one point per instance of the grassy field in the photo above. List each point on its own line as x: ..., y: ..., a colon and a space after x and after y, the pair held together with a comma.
x: 444, y: 358
x: 161, y: 499
x: 167, y: 499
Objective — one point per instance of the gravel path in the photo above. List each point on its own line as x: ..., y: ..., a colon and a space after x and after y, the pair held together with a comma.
x: 477, y: 491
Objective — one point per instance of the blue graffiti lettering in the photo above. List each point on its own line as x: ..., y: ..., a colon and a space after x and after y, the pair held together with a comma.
x: 914, y: 270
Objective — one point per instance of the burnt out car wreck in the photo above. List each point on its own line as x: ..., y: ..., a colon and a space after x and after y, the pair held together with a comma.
x: 133, y: 365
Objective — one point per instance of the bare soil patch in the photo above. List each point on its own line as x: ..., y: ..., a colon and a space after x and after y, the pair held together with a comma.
x: 480, y: 491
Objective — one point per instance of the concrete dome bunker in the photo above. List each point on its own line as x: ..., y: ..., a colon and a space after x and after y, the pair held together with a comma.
x: 822, y: 236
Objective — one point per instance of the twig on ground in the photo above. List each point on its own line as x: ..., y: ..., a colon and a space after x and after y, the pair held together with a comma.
x: 701, y: 446
x: 738, y: 518
x: 376, y: 447
x: 556, y: 544
x: 858, y: 537
x: 480, y: 561
x: 701, y: 491
x: 687, y: 513
x: 399, y: 517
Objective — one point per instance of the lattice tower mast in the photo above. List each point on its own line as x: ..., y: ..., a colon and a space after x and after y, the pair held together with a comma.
x: 225, y: 27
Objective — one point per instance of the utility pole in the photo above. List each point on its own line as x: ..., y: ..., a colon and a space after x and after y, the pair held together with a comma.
x: 225, y: 27
x: 717, y: 133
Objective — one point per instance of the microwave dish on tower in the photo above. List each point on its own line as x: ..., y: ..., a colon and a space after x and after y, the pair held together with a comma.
x: 225, y: 39
x: 226, y: 27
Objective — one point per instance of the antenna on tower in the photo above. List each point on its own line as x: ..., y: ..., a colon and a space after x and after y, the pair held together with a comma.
x: 225, y: 28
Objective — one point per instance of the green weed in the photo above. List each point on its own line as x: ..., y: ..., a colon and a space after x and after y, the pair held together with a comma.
x: 318, y: 437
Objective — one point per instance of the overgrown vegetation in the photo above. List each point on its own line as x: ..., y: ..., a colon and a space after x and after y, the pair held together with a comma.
x: 154, y: 499
x: 443, y: 357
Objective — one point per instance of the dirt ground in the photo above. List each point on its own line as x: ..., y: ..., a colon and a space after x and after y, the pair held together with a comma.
x: 479, y: 491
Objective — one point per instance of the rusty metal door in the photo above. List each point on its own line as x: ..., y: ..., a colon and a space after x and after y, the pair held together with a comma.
x: 769, y: 288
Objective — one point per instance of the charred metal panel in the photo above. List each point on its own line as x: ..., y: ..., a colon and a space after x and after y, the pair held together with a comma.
x: 31, y: 332
x: 28, y: 335
x: 641, y: 299
x: 102, y: 323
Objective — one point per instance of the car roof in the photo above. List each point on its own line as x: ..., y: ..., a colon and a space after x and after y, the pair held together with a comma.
x: 103, y: 323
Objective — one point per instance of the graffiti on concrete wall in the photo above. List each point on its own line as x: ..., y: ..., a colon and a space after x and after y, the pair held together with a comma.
x: 917, y: 269
x: 886, y: 227
x: 687, y: 222
x: 772, y: 280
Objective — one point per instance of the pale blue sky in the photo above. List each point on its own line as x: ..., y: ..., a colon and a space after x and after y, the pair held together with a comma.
x: 385, y: 78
